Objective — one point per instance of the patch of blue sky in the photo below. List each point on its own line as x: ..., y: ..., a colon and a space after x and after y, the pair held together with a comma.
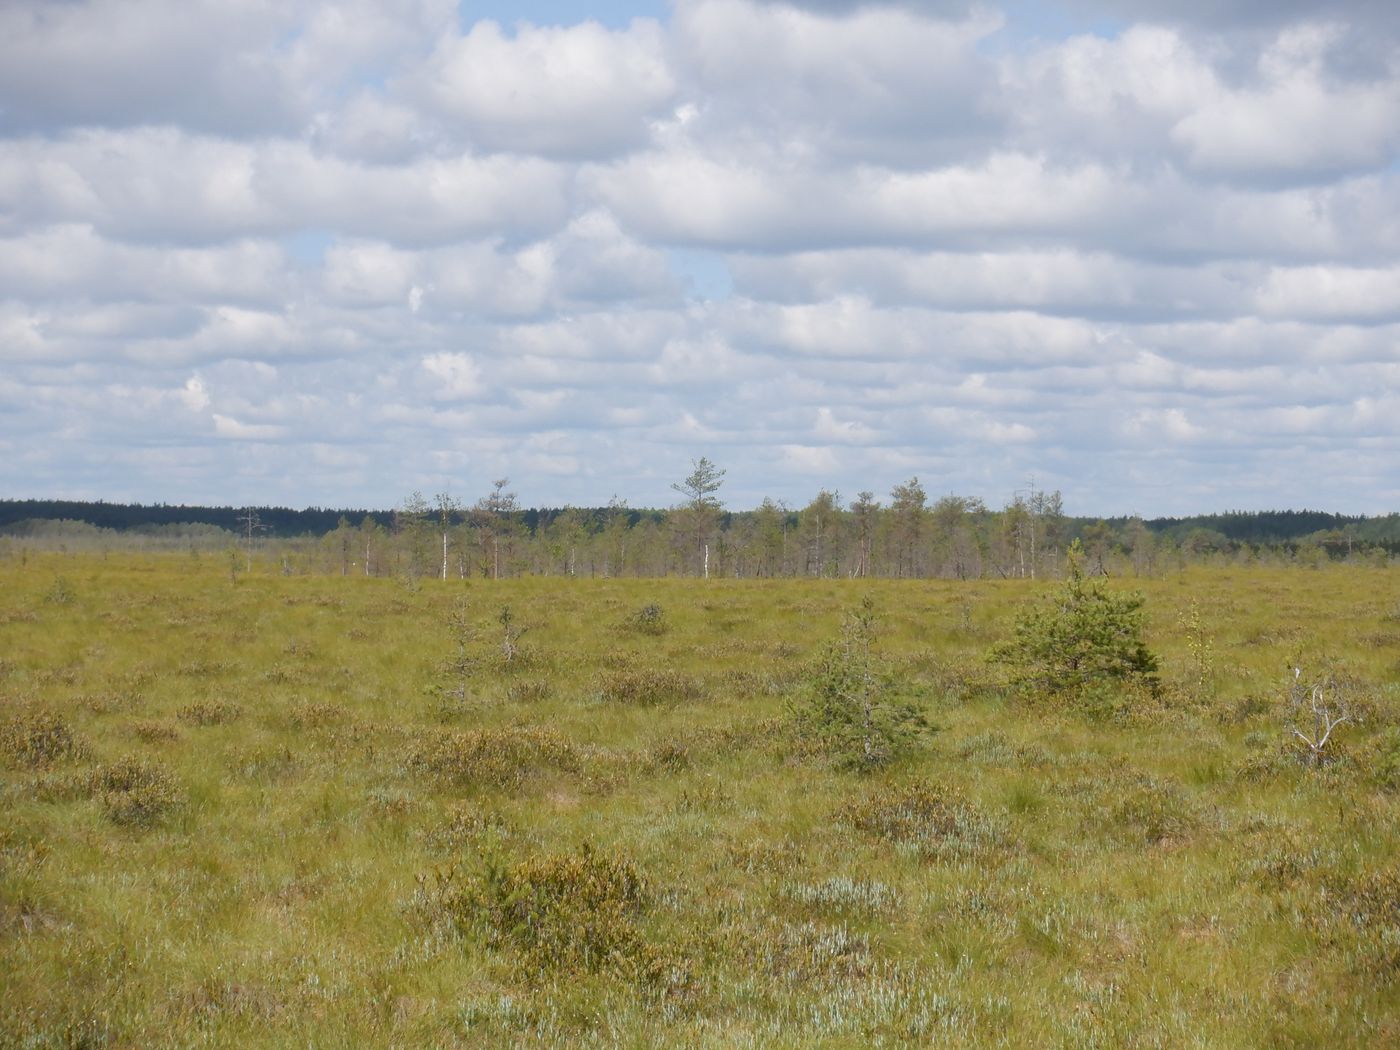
x: 1029, y: 22
x: 705, y: 274
x: 615, y: 14
x: 308, y: 247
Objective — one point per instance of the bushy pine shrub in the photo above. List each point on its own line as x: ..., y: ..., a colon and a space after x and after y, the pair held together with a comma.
x: 853, y: 707
x: 1083, y: 638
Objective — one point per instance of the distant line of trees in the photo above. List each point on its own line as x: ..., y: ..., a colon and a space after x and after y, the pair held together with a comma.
x: 907, y: 534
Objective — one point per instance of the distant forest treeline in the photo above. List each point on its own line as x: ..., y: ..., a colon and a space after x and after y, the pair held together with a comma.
x: 908, y: 535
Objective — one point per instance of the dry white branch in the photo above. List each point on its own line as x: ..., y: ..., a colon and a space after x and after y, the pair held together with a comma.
x: 1326, y: 703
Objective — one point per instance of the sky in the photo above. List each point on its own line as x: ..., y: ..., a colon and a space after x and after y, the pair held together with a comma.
x: 298, y: 252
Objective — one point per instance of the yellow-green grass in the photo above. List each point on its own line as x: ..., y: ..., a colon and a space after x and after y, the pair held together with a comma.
x: 306, y: 859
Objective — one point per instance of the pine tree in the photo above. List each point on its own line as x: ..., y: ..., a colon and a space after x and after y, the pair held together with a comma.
x: 1084, y: 636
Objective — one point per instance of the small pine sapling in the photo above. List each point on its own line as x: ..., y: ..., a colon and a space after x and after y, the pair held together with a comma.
x: 1085, y: 637
x: 511, y: 633
x: 853, y: 707
x: 1201, y: 650
x: 457, y: 670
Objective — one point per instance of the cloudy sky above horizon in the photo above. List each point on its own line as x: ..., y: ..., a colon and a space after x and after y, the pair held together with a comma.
x: 301, y: 252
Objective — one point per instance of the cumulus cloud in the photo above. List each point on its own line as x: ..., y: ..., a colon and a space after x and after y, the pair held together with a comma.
x: 241, y: 69
x: 1148, y: 259
x: 882, y: 83
x: 557, y: 90
x: 1294, y: 119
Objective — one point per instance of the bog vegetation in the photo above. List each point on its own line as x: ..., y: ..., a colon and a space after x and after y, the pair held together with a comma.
x: 243, y: 808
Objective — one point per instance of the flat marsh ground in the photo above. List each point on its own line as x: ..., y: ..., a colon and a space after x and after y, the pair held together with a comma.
x: 311, y: 811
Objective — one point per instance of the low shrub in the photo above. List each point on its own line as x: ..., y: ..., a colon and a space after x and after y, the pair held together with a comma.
x: 209, y: 713
x: 493, y: 758
x: 562, y: 914
x: 61, y: 592
x: 1386, y: 761
x: 153, y: 731
x: 923, y: 819
x: 853, y: 707
x: 469, y: 828
x: 812, y: 952
x: 1157, y: 812
x: 530, y: 691
x: 38, y: 741
x: 649, y: 619
x: 647, y: 686
x: 136, y: 793
x: 317, y: 714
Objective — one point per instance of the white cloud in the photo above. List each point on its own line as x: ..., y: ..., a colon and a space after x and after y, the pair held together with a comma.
x: 227, y: 427
x: 248, y: 68
x: 567, y: 91
x: 195, y: 395
x: 161, y: 184
x: 879, y: 81
x: 456, y: 376
x: 1295, y: 120
x: 1331, y: 293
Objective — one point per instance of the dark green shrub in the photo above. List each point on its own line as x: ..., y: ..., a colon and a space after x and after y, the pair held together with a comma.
x: 1084, y: 637
x: 853, y: 707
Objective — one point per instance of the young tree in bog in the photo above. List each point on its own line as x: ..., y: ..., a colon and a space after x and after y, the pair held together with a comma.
x: 864, y: 511
x: 818, y: 525
x: 448, y: 508
x: 854, y: 707
x: 414, y: 526
x: 770, y: 538
x: 698, y: 517
x: 493, y: 517
x: 908, y: 511
x: 1084, y: 636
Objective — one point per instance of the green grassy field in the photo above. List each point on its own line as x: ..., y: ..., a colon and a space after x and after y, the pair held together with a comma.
x: 330, y: 812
